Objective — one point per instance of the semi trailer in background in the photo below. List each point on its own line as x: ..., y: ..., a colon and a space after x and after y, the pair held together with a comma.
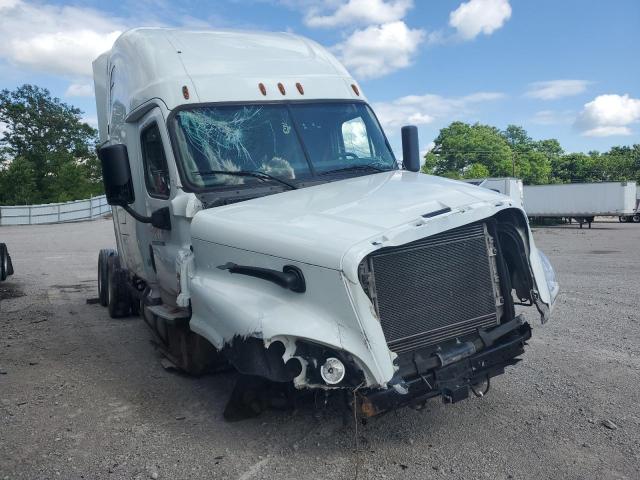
x: 580, y: 201
x: 509, y: 186
x: 635, y: 217
x: 262, y: 221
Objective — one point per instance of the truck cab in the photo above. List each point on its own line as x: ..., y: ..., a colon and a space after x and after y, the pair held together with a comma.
x: 262, y: 220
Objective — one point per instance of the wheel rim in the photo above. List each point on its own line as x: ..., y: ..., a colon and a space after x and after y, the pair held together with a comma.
x: 5, y: 264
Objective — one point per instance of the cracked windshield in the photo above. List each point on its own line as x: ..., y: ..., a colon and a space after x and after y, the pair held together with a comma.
x: 269, y: 139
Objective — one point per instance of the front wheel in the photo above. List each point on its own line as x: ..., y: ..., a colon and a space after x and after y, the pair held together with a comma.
x: 118, y: 296
x: 4, y: 262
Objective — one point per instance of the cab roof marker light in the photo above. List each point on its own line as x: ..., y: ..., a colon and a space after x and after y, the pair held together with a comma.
x: 281, y: 88
x: 355, y: 88
x: 262, y: 88
x: 299, y: 87
x: 185, y: 92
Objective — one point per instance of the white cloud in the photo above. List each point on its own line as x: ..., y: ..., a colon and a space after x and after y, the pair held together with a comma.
x: 380, y: 49
x: 553, y: 117
x: 358, y: 12
x: 474, y: 17
x: 79, y: 90
x: 608, y: 131
x: 6, y: 4
x: 553, y: 89
x: 424, y: 109
x: 54, y: 39
x: 608, y: 115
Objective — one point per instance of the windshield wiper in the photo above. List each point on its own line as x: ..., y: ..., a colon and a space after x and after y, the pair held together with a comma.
x: 248, y: 173
x: 355, y: 168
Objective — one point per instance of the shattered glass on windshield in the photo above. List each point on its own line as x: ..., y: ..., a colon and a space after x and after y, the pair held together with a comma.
x: 339, y: 138
x: 246, y: 138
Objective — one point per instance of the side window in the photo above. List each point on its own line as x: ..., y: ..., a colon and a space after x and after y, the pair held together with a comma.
x: 355, y: 138
x: 156, y: 173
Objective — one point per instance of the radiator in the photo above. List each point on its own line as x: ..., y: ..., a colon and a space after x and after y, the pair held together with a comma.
x: 435, y: 289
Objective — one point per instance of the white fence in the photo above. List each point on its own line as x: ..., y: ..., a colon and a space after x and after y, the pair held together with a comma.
x: 55, y: 212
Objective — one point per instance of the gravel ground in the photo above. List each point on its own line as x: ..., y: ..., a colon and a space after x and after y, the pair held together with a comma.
x: 85, y: 396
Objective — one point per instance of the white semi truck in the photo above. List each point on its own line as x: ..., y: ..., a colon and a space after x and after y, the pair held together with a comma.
x: 262, y: 220
x: 580, y: 201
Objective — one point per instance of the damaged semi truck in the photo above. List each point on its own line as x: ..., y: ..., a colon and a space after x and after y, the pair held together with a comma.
x: 262, y: 220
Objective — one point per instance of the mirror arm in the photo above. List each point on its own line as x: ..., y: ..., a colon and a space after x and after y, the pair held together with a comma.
x: 136, y: 215
x: 161, y: 218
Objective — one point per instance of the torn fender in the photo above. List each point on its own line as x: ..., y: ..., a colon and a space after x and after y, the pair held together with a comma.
x: 227, y: 306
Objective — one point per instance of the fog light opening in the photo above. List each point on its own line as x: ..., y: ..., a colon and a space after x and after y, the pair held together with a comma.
x: 332, y: 371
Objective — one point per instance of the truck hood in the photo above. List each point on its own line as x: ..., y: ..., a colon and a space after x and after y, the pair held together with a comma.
x: 320, y: 224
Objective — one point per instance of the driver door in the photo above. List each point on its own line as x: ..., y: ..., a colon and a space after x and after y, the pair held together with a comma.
x: 159, y: 187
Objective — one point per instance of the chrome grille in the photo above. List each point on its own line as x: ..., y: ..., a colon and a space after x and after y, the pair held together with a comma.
x: 437, y: 288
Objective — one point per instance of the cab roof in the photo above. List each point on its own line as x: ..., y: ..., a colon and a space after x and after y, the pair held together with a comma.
x: 215, y: 66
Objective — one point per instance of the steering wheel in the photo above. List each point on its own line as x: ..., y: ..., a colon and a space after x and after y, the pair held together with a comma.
x: 348, y: 155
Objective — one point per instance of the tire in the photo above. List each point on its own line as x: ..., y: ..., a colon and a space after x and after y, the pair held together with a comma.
x: 135, y: 305
x: 4, y: 262
x: 622, y: 219
x: 118, y: 296
x: 636, y: 218
x: 10, y: 264
x: 103, y: 274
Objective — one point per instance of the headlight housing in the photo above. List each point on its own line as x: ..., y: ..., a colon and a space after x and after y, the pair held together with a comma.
x: 332, y: 371
x: 550, y: 276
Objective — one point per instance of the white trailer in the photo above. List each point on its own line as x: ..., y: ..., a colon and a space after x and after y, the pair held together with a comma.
x: 635, y: 217
x: 261, y: 217
x: 510, y: 186
x: 580, y: 201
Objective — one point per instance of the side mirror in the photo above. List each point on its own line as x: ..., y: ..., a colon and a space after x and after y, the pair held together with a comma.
x: 116, y: 175
x: 410, y: 149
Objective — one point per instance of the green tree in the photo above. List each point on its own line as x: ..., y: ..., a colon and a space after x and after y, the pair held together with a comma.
x: 518, y: 139
x: 460, y: 145
x: 50, y: 137
x: 572, y: 167
x: 532, y: 160
x: 476, y: 170
x: 469, y: 151
x: 549, y: 147
x: 623, y: 163
x: 533, y: 167
x: 17, y: 182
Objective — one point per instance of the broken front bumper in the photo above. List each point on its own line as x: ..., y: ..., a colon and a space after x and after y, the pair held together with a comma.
x: 453, y: 381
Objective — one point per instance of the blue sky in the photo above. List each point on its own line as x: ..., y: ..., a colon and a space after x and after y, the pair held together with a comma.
x: 565, y: 69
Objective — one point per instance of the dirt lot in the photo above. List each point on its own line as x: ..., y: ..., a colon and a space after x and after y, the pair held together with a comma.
x: 85, y: 396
